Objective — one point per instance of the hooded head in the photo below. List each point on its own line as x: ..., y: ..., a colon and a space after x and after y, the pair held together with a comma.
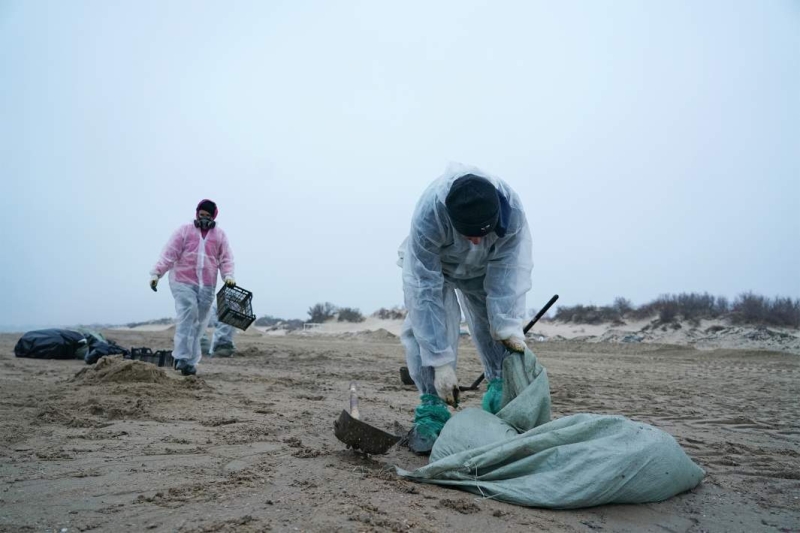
x: 205, y: 214
x: 473, y: 206
x: 209, y: 207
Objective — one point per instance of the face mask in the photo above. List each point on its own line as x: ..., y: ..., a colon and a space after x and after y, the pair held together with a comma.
x: 204, y: 223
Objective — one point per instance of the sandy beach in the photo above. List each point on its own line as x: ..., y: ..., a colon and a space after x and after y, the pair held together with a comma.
x: 248, y: 444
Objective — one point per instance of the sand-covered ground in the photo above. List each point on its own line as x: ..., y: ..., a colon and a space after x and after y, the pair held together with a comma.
x: 248, y: 444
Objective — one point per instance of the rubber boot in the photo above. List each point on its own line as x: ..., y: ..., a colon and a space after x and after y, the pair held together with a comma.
x: 223, y: 349
x: 185, y: 368
x: 430, y: 417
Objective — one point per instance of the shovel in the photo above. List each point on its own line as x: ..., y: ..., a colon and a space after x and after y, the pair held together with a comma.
x: 359, y: 435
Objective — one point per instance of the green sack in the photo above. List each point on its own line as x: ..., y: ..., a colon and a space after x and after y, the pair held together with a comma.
x: 519, y: 456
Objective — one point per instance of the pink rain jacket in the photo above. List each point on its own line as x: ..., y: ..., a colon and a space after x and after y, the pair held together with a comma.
x: 195, y: 260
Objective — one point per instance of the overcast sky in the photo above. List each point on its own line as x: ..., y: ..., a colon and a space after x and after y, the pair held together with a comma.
x: 656, y: 145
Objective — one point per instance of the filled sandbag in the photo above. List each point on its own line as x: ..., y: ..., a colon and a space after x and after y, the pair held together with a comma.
x: 583, y: 460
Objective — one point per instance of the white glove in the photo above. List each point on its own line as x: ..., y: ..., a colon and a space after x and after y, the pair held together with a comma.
x: 514, y: 344
x: 230, y: 282
x: 446, y: 384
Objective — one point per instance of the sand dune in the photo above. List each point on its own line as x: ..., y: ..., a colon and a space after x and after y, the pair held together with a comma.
x: 703, y: 335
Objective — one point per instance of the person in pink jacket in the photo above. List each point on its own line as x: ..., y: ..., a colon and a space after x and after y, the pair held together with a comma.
x: 193, y: 255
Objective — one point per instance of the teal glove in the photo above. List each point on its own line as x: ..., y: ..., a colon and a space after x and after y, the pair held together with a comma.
x: 493, y: 397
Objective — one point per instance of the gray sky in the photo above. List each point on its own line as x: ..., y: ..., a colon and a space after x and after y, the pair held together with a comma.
x: 656, y: 144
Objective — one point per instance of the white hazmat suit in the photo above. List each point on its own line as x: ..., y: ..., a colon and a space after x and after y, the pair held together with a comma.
x: 441, y: 267
x: 193, y: 258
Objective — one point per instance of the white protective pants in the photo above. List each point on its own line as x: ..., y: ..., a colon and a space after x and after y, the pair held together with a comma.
x: 473, y: 299
x: 193, y: 309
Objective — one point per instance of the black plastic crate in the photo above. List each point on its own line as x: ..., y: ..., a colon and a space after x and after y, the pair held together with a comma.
x: 146, y: 355
x: 235, y: 307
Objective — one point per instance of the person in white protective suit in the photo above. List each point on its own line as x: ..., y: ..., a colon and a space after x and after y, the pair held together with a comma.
x: 221, y: 343
x: 469, y: 241
x: 193, y: 255
x: 222, y: 340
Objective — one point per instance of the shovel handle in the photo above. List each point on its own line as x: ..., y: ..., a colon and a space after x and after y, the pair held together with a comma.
x: 541, y: 313
x: 353, y: 400
x: 527, y: 328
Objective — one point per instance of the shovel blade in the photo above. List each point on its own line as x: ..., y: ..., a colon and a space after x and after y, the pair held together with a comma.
x: 361, y: 436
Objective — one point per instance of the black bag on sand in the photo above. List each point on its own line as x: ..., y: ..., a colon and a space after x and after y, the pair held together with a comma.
x: 99, y: 349
x: 50, y: 344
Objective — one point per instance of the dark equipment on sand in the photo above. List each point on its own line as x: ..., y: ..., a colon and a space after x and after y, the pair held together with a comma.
x: 359, y: 435
x: 405, y: 376
x: 158, y: 358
